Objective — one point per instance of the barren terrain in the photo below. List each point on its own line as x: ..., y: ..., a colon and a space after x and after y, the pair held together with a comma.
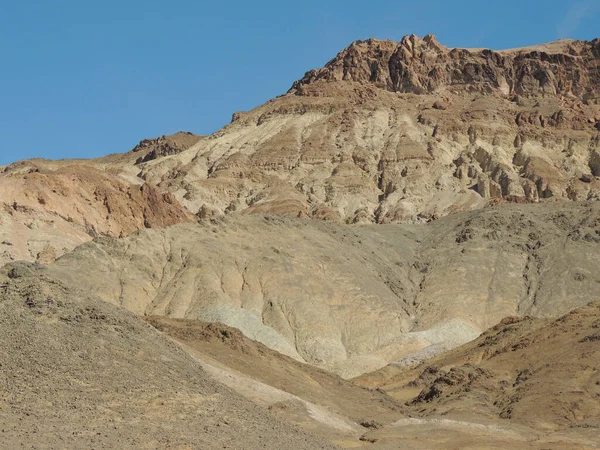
x: 402, y: 251
x: 77, y: 372
x: 352, y: 300
x: 537, y: 379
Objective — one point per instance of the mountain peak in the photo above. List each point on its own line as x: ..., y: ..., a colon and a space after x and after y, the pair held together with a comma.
x: 423, y: 65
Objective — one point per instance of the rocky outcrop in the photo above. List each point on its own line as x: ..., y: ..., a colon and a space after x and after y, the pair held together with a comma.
x: 45, y: 213
x: 415, y: 65
x: 164, y: 146
x: 403, y: 131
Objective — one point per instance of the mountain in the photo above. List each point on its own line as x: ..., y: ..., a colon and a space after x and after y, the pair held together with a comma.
x: 398, y: 251
x: 386, y: 132
x: 408, y: 131
x: 352, y: 299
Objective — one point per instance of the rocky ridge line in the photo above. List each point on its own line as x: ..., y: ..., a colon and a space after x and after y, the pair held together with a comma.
x: 415, y: 65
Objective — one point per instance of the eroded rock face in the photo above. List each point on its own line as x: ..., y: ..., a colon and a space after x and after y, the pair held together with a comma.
x: 404, y: 132
x: 46, y: 211
x: 164, y: 146
x: 415, y: 65
x: 352, y: 299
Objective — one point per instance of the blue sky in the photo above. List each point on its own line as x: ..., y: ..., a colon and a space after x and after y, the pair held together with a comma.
x: 84, y: 79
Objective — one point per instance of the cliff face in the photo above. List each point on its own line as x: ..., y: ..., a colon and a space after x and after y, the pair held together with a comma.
x: 414, y: 65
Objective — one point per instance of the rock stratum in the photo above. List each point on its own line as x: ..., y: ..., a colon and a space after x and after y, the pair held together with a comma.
x: 47, y: 208
x: 409, y: 131
x: 386, y: 132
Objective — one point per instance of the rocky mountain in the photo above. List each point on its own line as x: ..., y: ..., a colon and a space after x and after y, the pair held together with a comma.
x: 386, y: 132
x: 407, y: 131
x: 334, y: 267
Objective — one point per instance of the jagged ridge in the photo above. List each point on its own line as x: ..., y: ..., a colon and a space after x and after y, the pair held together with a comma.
x: 416, y: 65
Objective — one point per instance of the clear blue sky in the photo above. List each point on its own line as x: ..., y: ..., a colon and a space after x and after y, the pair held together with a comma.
x: 83, y: 79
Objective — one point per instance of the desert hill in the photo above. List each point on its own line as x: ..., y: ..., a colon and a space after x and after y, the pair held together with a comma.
x: 386, y: 132
x: 352, y: 299
x: 525, y: 383
x: 334, y: 267
x: 77, y: 372
x: 87, y: 373
x: 536, y: 373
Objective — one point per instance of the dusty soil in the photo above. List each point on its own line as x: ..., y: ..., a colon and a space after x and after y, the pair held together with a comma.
x: 77, y: 372
x: 535, y: 381
x: 318, y: 400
